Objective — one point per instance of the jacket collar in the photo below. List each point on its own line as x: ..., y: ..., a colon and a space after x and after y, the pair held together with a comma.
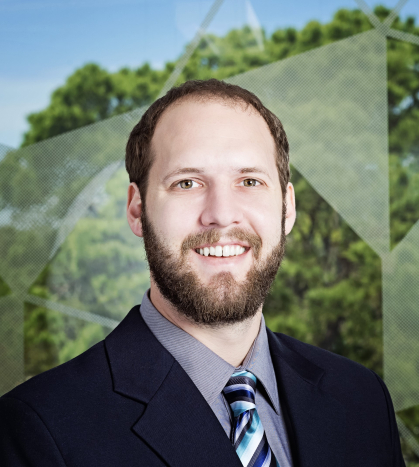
x: 139, y: 363
x: 192, y: 354
x: 143, y: 370
x: 315, y: 420
x: 178, y: 423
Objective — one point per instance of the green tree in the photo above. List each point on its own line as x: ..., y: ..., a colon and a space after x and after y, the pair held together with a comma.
x: 329, y: 271
x: 328, y: 291
x: 92, y: 94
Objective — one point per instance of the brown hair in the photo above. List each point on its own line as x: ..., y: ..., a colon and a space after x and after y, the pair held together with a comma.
x: 139, y: 157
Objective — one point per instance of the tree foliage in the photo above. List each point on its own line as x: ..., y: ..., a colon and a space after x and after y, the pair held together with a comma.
x: 328, y: 291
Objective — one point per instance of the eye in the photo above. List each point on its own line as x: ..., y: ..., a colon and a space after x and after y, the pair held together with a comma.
x: 252, y: 180
x: 187, y: 184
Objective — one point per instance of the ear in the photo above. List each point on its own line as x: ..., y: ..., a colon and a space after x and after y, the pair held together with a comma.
x: 291, y: 212
x: 134, y: 207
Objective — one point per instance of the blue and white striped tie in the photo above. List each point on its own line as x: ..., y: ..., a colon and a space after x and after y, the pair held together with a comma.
x: 248, y: 435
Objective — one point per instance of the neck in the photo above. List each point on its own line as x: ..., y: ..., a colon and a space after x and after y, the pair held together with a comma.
x: 231, y: 342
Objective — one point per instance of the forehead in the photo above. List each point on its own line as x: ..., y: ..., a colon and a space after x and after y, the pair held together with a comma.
x: 212, y: 133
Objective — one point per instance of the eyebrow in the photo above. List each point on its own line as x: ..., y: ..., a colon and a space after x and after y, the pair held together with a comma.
x: 197, y: 170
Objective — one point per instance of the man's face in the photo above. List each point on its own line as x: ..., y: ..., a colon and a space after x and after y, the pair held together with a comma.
x: 213, y: 203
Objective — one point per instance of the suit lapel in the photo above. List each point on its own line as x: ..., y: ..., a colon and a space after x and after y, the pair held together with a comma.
x: 179, y: 425
x: 177, y: 422
x: 182, y: 428
x: 315, y: 420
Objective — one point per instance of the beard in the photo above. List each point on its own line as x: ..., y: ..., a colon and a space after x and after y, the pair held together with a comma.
x: 224, y: 300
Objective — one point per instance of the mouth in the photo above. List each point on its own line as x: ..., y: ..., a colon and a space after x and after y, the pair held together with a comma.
x: 225, y: 260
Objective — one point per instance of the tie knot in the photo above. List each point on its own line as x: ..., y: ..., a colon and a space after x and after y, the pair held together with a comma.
x: 240, y: 392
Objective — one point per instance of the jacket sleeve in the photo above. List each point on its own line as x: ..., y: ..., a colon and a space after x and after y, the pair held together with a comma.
x: 24, y: 438
x: 398, y: 460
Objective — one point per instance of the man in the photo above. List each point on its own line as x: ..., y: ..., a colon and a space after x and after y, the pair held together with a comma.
x: 192, y: 377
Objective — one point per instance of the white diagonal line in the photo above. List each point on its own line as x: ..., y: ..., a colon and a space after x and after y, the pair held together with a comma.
x: 383, y: 28
x: 403, y: 36
x: 69, y: 311
x: 190, y: 48
x: 396, y: 10
x: 371, y: 15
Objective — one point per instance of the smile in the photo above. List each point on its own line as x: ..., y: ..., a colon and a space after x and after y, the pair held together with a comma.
x: 222, y: 251
x: 225, y: 260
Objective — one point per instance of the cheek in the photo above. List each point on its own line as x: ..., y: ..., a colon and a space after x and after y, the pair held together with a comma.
x: 266, y: 214
x: 176, y: 220
x: 265, y: 221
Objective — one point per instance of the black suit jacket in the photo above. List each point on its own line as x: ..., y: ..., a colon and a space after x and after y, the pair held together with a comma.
x: 127, y: 402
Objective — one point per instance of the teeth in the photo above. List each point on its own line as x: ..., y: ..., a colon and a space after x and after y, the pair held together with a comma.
x: 227, y: 250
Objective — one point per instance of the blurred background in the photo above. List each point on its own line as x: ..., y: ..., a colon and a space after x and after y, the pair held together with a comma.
x: 342, y: 76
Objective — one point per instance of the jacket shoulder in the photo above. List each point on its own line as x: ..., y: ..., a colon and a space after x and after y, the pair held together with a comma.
x: 88, y: 370
x: 340, y: 375
x: 361, y: 392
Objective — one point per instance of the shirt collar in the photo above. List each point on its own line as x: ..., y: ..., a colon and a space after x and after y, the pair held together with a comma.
x: 209, y: 372
x: 258, y: 361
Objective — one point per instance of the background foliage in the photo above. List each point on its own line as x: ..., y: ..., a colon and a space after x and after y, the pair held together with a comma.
x: 328, y: 290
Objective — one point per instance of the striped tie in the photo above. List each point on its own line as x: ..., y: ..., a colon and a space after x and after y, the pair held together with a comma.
x: 248, y: 435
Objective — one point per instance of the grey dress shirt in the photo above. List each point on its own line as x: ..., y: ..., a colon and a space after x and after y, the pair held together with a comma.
x: 210, y: 374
